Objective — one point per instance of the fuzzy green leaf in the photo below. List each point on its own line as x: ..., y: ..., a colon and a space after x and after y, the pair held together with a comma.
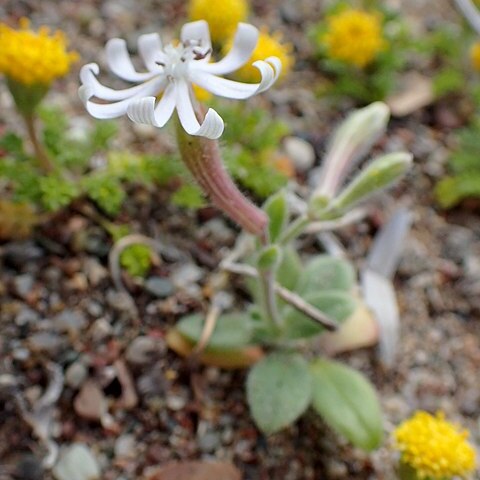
x: 347, y: 402
x: 278, y: 390
x: 335, y: 304
x: 325, y: 272
x: 379, y: 174
x: 232, y: 330
x: 277, y: 210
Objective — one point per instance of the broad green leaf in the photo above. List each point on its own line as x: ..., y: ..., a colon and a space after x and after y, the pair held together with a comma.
x: 289, y: 269
x: 232, y: 330
x: 278, y: 390
x: 277, y: 210
x: 347, y: 402
x: 325, y: 272
x: 335, y: 304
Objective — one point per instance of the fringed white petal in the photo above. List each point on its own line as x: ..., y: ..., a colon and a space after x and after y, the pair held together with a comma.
x: 269, y: 69
x: 145, y: 111
x: 212, y: 126
x: 197, y: 31
x: 120, y: 64
x: 115, y: 109
x: 150, y: 49
x: 88, y: 78
x: 244, y: 44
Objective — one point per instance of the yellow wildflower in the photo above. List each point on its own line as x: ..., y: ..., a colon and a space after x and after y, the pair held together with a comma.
x: 33, y: 58
x: 354, y: 37
x: 475, y: 55
x: 222, y: 16
x: 433, y: 447
x: 267, y: 46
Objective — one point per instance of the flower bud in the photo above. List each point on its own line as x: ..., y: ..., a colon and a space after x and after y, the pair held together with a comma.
x: 350, y: 143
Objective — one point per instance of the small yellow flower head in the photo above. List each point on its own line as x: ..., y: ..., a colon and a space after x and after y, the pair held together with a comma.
x: 433, y: 447
x: 354, y: 37
x: 475, y: 55
x: 267, y: 46
x: 33, y: 58
x: 222, y: 16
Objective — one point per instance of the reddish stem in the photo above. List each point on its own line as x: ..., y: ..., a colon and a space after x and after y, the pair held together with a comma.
x: 203, y: 159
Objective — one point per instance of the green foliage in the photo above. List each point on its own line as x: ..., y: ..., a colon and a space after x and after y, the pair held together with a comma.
x: 136, y: 260
x: 106, y: 191
x: 56, y: 192
x: 231, y: 331
x: 336, y: 304
x: 188, y: 196
x: 278, y: 390
x: 249, y: 145
x: 325, y: 272
x: 277, y: 210
x: 70, y: 152
x: 464, y: 164
x: 347, y: 402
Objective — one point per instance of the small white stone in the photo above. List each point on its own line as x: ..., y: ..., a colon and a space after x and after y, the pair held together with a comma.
x: 76, y: 463
x: 300, y: 152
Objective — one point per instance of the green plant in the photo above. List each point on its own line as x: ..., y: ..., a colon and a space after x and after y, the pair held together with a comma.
x: 464, y: 165
x: 297, y: 301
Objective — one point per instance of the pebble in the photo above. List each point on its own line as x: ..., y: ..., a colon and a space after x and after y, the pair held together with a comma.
x: 125, y: 446
x: 142, y: 349
x: 23, y: 284
x: 120, y: 301
x: 176, y: 402
x: 101, y: 329
x: 186, y: 274
x: 159, y: 287
x: 46, y: 342
x: 94, y: 271
x: 300, y: 152
x: 76, y: 374
x: 25, y: 316
x: 70, y: 321
x: 94, y: 308
x: 29, y: 467
x: 76, y: 463
x: 209, y: 441
x: 20, y: 253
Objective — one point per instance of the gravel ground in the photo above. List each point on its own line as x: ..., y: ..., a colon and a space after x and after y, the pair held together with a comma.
x: 58, y: 303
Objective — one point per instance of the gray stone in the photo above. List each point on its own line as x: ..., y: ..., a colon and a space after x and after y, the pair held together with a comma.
x: 76, y: 463
x: 186, y: 274
x: 159, y: 287
x: 23, y: 284
x: 142, y: 349
x: 76, y: 374
x: 70, y: 321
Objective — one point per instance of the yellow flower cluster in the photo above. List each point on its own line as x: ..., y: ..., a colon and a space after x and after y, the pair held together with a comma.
x: 33, y: 58
x: 222, y: 16
x: 433, y: 447
x: 267, y: 46
x: 475, y: 55
x: 354, y: 37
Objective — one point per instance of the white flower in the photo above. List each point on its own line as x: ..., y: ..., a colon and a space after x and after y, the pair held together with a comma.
x: 171, y: 71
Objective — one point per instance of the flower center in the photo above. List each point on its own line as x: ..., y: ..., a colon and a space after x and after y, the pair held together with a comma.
x: 178, y: 57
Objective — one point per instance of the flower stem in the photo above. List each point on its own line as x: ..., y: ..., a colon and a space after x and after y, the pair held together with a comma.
x: 294, y: 229
x: 41, y: 155
x: 202, y: 157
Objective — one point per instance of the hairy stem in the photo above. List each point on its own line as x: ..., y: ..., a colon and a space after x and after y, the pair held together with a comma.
x: 202, y: 157
x: 41, y: 155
